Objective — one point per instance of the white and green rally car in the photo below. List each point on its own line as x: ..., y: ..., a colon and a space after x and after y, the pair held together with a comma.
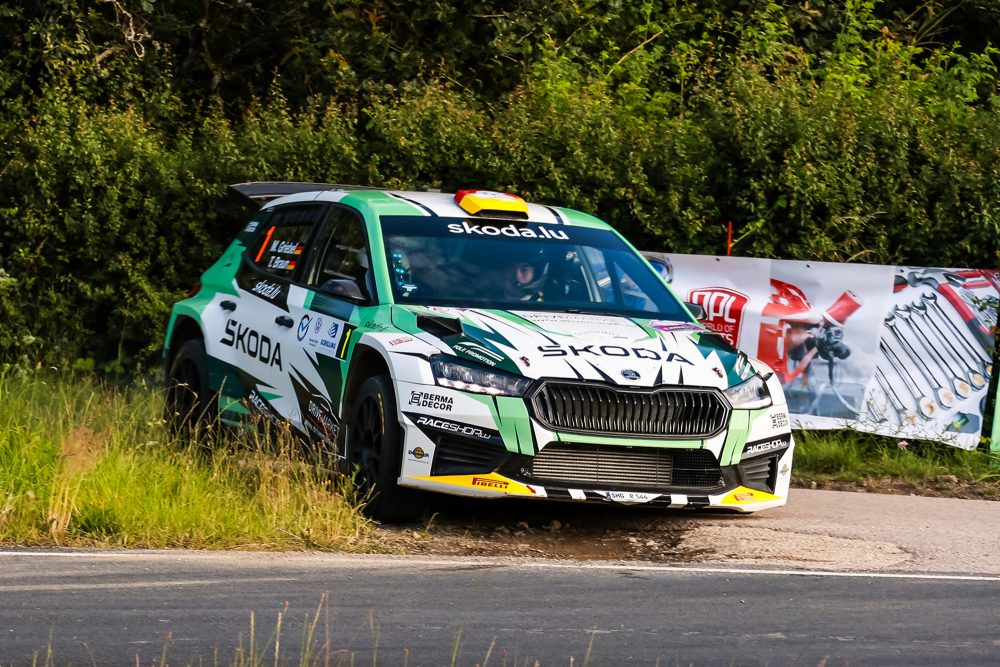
x: 473, y: 344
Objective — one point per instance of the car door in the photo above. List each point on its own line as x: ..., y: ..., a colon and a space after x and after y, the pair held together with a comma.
x: 335, y: 284
x: 258, y: 337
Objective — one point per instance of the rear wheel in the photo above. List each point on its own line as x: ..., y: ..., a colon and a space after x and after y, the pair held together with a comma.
x: 190, y: 402
x: 375, y: 452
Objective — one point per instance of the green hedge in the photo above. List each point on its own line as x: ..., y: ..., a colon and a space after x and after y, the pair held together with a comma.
x: 881, y: 151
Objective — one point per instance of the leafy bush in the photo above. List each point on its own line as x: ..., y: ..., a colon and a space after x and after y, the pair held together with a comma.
x: 829, y: 131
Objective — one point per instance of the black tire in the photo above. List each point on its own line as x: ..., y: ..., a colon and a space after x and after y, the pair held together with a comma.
x: 375, y: 455
x: 191, y: 405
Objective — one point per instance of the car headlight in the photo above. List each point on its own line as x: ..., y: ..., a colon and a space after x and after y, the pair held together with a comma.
x: 456, y: 374
x: 751, y: 394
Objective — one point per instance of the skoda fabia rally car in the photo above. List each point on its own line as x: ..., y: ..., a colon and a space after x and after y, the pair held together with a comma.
x: 473, y: 344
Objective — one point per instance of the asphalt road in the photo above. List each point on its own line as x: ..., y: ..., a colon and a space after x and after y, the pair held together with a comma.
x: 128, y: 608
x: 831, y: 579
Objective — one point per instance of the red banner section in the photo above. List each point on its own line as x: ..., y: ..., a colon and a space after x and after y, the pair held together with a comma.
x: 900, y: 351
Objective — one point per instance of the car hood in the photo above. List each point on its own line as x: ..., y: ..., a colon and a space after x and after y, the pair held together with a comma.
x: 624, y: 351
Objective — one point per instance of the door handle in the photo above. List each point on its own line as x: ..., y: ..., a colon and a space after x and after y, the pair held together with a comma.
x: 284, y: 321
x: 228, y: 305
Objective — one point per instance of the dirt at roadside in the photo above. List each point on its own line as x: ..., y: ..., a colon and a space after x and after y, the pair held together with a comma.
x: 945, y: 486
x: 460, y: 526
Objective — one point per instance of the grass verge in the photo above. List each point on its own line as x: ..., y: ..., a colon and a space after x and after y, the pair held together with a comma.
x: 85, y: 464
x: 849, y: 459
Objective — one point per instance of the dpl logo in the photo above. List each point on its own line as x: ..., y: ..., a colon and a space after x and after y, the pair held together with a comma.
x: 723, y: 310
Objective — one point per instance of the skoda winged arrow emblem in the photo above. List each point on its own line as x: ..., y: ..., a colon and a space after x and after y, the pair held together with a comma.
x: 630, y: 374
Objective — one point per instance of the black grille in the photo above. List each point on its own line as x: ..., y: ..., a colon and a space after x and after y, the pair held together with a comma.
x: 760, y: 473
x: 627, y: 468
x: 671, y: 413
x: 462, y: 457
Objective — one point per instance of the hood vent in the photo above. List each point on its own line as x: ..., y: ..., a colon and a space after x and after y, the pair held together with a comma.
x: 437, y: 325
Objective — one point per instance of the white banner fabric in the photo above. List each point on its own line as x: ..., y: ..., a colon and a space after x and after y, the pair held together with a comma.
x: 899, y: 351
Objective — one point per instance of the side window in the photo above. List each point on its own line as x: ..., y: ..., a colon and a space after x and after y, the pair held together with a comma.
x: 280, y: 245
x: 343, y: 249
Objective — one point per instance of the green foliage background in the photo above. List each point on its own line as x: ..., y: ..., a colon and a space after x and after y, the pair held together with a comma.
x: 827, y: 130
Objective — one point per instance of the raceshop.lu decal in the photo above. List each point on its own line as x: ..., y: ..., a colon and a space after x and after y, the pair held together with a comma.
x: 253, y: 344
x: 453, y: 427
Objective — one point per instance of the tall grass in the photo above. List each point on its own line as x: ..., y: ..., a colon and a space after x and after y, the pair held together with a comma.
x: 82, y: 463
x: 851, y: 456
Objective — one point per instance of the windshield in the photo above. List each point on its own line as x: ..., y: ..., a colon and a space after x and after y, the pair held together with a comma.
x: 519, y: 265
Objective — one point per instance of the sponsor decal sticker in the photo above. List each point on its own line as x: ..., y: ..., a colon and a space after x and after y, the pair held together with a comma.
x: 320, y: 421
x: 765, y: 446
x: 779, y: 420
x: 266, y: 290
x: 374, y: 326
x: 610, y: 351
x: 303, y: 327
x: 741, y: 495
x: 629, y: 496
x: 260, y: 404
x: 512, y: 231
x: 669, y: 326
x: 252, y: 226
x: 425, y: 399
x: 478, y: 352
x: 285, y: 248
x: 281, y: 264
x: 453, y: 427
x: 490, y: 483
x: 418, y: 453
x: 723, y: 310
x: 312, y: 334
x: 252, y: 343
x: 399, y: 341
x: 784, y: 469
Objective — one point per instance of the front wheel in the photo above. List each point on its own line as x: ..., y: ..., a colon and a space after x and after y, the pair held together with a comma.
x: 375, y: 452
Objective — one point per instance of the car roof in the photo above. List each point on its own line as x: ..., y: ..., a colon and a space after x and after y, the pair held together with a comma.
x: 397, y: 202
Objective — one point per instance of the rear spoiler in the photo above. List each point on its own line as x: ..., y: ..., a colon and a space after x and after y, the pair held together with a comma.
x: 261, y: 192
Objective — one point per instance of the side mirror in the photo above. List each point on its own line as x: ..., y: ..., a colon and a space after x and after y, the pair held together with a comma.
x: 696, y: 309
x: 345, y: 288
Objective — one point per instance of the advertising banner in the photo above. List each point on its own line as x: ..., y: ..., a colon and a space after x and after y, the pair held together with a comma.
x: 900, y: 351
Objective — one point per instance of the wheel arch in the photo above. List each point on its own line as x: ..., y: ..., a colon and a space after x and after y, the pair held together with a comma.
x: 368, y: 362
x: 185, y: 328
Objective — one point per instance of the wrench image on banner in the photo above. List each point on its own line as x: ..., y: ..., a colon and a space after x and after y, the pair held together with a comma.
x: 945, y: 398
x: 975, y: 351
x: 902, y: 413
x: 978, y: 331
x: 962, y: 388
x: 923, y: 318
x: 925, y: 404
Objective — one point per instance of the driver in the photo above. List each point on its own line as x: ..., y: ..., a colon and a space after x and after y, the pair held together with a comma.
x: 520, y: 283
